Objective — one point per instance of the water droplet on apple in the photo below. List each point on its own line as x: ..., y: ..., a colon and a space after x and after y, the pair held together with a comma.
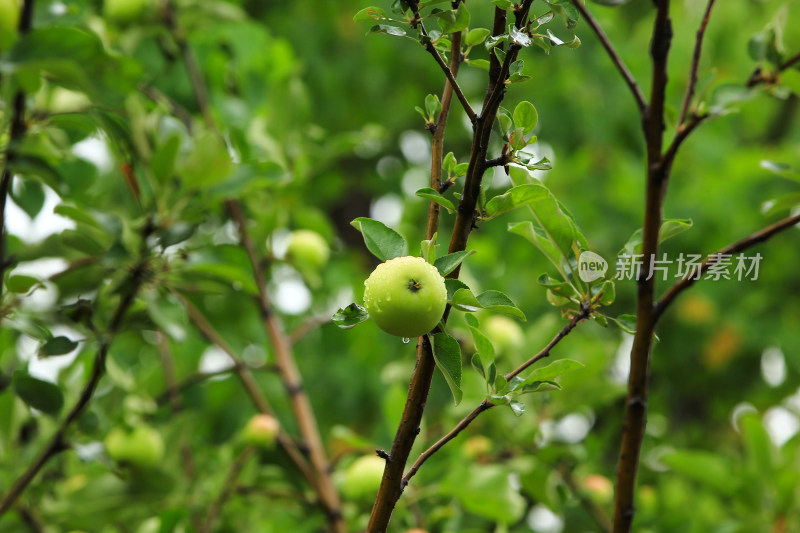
x: 406, y: 340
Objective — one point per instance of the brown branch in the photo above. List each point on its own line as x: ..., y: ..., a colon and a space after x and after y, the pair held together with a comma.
x: 192, y: 68
x: 759, y: 76
x: 437, y: 145
x: 485, y: 405
x: 695, y: 274
x: 57, y: 442
x: 449, y: 71
x: 307, y: 327
x: 250, y: 386
x: 228, y: 488
x: 657, y: 177
x: 292, y: 380
x: 18, y: 128
x: 392, y: 484
x: 199, y: 377
x: 589, y: 505
x: 698, y: 48
x: 641, y: 102
x: 178, y: 110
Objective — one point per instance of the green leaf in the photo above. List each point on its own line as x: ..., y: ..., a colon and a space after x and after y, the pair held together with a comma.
x: 350, y: 316
x: 500, y: 303
x: 449, y: 262
x: 486, y: 491
x: 57, y: 346
x: 526, y: 116
x: 452, y: 21
x: 518, y: 37
x: 517, y: 407
x: 669, y: 228
x: 538, y: 386
x: 611, y: 3
x: 781, y: 169
x: 502, y: 4
x: 427, y: 249
x: 454, y: 285
x: 390, y: 30
x: 447, y: 354
x: 29, y: 195
x: 433, y: 106
x: 476, y: 36
x: 479, y: 63
x: 370, y: 13
x: 553, y: 370
x: 21, y: 284
x: 382, y: 241
x: 76, y: 59
x: 760, y: 452
x: 536, y: 236
x: 515, y: 197
x: 464, y: 300
x: 483, y: 347
x: 627, y: 323
x: 434, y: 196
x: 41, y: 395
x: 163, y: 162
x: 710, y: 469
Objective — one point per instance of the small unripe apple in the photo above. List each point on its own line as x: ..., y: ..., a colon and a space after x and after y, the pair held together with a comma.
x: 307, y: 250
x: 362, y: 478
x: 140, y: 447
x: 9, y: 19
x: 600, y: 487
x: 262, y: 431
x: 417, y: 530
x: 505, y: 334
x: 477, y: 446
x: 127, y: 11
x: 405, y: 296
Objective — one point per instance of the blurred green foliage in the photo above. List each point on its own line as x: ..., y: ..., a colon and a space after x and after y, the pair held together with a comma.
x: 318, y: 128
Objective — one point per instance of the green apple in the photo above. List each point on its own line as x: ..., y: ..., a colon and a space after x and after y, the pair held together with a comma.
x: 307, y: 250
x: 140, y: 447
x: 127, y: 11
x: 262, y: 431
x: 477, y: 447
x: 363, y: 477
x: 405, y: 296
x: 505, y: 334
x: 600, y: 488
x: 9, y: 18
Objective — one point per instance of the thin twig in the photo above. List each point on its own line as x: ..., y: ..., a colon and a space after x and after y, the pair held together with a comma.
x: 759, y: 76
x: 228, y: 488
x: 589, y: 505
x: 307, y: 327
x: 192, y: 68
x: 696, y: 273
x: 449, y: 72
x: 698, y: 48
x: 641, y: 102
x: 292, y: 380
x: 437, y: 145
x: 249, y: 384
x: 485, y: 405
x: 545, y: 352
